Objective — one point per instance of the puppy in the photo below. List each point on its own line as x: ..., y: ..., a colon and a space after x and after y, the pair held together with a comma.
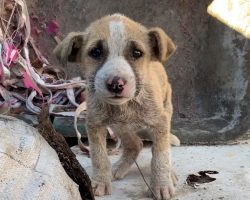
x: 128, y: 90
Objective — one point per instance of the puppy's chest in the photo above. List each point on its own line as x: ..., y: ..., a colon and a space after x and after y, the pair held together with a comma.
x: 139, y: 115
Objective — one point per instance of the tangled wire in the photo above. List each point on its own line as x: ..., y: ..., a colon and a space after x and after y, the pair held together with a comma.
x: 27, y: 79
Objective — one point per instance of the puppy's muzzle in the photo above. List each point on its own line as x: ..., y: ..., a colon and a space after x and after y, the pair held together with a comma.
x: 115, y: 84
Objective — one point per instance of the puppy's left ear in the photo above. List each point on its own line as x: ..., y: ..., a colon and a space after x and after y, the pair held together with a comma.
x: 162, y: 47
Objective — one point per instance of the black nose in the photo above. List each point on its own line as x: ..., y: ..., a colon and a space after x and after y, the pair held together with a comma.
x: 115, y: 84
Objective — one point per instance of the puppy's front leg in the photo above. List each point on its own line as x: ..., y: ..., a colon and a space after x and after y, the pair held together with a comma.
x: 101, y: 167
x: 162, y: 180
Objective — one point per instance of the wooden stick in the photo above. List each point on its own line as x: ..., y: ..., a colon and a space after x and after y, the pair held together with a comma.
x: 66, y: 156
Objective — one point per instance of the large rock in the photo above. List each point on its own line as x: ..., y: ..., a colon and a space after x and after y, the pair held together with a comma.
x: 29, y: 167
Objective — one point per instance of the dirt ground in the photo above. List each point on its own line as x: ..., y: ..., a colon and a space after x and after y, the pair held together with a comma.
x: 231, y: 161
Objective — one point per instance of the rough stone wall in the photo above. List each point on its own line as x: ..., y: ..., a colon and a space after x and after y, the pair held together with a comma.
x: 209, y: 72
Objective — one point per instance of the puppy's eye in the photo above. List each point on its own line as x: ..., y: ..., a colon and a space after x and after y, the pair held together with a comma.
x: 136, y: 53
x: 95, y: 53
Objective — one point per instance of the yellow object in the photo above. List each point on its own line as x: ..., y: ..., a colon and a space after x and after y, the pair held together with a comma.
x: 234, y: 13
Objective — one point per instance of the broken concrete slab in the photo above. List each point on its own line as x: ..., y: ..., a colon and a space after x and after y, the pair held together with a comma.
x: 231, y: 161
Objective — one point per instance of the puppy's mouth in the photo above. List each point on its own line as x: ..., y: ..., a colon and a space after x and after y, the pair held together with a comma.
x: 117, y: 100
x: 117, y: 97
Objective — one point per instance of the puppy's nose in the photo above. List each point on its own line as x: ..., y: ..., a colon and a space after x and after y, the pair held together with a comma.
x: 115, y: 84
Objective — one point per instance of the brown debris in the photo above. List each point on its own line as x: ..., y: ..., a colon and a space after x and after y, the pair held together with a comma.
x: 194, y: 180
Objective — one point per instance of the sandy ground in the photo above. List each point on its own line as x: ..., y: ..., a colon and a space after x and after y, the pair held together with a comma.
x: 231, y: 161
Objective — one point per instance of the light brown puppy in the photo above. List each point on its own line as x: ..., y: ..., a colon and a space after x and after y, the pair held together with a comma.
x: 128, y: 90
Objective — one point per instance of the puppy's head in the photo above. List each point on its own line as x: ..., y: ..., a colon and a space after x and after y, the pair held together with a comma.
x: 115, y: 53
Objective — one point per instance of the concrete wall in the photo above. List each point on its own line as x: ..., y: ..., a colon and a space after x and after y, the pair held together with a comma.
x: 209, y: 72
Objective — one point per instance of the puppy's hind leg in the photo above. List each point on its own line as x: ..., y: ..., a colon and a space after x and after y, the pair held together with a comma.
x: 132, y: 146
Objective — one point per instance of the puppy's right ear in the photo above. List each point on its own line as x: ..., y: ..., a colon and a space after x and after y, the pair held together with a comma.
x: 70, y: 48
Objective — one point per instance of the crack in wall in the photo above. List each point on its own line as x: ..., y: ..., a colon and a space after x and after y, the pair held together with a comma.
x: 238, y: 84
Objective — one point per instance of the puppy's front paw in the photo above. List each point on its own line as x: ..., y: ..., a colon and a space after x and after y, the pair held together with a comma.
x: 163, y: 192
x: 100, y: 188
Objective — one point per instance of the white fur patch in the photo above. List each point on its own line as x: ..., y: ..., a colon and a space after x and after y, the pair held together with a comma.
x: 117, y: 39
x: 116, y: 65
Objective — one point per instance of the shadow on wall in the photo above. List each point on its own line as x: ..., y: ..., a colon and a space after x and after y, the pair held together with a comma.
x: 209, y: 72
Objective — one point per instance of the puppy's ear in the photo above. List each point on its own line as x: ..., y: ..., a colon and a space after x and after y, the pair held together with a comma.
x: 161, y: 45
x: 70, y: 48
